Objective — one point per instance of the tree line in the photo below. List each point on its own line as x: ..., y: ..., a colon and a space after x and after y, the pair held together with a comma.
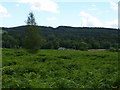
x: 79, y: 38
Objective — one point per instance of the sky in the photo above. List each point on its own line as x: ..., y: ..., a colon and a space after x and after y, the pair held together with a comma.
x: 54, y: 13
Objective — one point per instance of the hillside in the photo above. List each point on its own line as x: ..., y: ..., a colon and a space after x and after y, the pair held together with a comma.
x: 94, y: 37
x: 67, y: 29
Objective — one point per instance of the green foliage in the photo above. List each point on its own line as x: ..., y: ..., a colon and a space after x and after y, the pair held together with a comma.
x: 9, y: 41
x: 83, y: 46
x: 70, y: 37
x: 32, y: 40
x: 59, y: 69
x: 31, y: 19
x: 112, y: 49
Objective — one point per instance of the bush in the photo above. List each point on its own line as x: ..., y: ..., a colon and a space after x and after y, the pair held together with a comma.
x: 113, y: 49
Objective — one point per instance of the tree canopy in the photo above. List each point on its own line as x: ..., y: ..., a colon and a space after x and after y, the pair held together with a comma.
x: 33, y: 39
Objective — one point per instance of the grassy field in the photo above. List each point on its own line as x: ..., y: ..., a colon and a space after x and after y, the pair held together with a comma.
x: 1, y: 31
x: 59, y: 69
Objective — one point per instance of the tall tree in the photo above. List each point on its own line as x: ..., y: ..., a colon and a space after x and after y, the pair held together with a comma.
x: 33, y: 39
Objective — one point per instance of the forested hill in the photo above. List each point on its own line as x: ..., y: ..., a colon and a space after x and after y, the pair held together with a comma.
x: 69, y: 37
x: 60, y: 28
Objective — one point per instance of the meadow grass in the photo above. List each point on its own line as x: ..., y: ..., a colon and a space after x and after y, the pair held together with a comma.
x: 59, y: 69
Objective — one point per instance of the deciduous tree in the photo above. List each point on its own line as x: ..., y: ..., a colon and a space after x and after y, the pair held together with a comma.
x: 33, y: 40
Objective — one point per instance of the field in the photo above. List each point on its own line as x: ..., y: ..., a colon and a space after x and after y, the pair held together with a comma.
x: 59, y: 69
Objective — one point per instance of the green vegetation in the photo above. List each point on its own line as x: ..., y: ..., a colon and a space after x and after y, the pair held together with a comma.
x: 59, y: 69
x: 79, y: 38
x: 33, y: 40
x: 2, y: 31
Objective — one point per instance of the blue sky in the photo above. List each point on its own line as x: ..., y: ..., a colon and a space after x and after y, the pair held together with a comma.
x: 54, y: 13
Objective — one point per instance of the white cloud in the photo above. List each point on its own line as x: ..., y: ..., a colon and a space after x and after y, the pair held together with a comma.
x: 92, y: 7
x: 114, y: 5
x: 112, y: 24
x: 17, y: 5
x: 90, y: 21
x: 52, y: 19
x: 63, y: 0
x: 42, y: 5
x: 3, y: 9
x: 3, y: 12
